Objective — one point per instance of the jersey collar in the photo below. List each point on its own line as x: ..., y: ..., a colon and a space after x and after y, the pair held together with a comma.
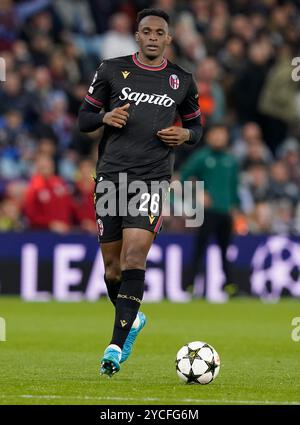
x: 149, y: 67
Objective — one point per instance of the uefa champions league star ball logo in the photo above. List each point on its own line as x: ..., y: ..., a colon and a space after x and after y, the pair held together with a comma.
x: 276, y: 269
x: 174, y: 81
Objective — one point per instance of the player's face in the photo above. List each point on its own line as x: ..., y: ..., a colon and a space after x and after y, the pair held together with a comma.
x: 153, y: 37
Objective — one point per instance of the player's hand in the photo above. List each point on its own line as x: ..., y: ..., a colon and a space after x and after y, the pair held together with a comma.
x: 174, y: 136
x: 59, y: 227
x: 89, y: 226
x: 117, y: 117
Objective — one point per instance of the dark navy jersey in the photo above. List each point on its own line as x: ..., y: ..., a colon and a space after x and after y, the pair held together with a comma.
x: 157, y: 94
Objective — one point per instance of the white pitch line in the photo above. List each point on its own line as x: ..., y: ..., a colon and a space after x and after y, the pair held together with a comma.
x: 147, y: 399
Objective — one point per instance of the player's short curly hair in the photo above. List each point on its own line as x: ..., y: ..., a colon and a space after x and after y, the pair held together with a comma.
x: 152, y: 12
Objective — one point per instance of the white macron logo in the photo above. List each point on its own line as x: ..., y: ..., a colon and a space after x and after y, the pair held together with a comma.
x: 156, y: 99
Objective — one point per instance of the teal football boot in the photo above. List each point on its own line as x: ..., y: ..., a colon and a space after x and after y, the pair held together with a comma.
x: 127, y: 349
x: 110, y: 363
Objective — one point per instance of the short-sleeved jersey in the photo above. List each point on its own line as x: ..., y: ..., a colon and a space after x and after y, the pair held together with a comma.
x: 156, y: 96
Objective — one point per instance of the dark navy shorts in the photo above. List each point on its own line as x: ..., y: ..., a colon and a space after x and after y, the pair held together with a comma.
x: 119, y: 206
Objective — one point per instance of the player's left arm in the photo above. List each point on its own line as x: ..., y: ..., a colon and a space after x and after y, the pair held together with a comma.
x: 191, y: 131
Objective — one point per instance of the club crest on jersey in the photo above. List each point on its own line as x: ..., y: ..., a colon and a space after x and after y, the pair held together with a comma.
x: 174, y: 81
x: 100, y: 227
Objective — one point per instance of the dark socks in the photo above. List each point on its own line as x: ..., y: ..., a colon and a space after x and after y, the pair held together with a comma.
x: 113, y: 288
x: 128, y: 303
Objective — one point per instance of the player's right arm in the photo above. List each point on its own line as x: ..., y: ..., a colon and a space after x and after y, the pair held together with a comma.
x: 91, y: 115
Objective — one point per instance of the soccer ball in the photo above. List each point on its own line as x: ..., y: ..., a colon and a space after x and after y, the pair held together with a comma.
x: 197, y: 362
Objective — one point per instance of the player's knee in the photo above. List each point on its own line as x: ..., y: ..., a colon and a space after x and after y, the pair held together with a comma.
x: 112, y: 279
x: 133, y: 259
x: 112, y: 271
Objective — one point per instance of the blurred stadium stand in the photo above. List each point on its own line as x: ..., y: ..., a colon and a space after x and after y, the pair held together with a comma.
x: 240, y: 52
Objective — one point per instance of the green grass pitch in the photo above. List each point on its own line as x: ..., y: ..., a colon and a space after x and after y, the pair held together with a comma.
x: 52, y: 353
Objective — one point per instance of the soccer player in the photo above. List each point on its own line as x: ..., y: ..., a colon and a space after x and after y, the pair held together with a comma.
x: 141, y: 95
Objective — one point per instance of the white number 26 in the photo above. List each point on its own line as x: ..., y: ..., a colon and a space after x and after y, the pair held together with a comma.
x: 154, y: 202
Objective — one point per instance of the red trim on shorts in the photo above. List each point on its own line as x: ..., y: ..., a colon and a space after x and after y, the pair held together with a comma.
x: 156, y: 228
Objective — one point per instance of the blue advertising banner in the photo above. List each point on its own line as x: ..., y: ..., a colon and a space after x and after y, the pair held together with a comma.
x: 45, y: 266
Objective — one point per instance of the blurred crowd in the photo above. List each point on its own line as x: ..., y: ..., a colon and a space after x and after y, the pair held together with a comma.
x: 240, y: 52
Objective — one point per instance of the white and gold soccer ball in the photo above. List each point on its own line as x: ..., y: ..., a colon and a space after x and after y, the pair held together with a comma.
x: 197, y: 362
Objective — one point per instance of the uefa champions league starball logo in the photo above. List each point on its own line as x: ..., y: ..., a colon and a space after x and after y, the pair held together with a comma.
x: 276, y: 269
x: 174, y: 81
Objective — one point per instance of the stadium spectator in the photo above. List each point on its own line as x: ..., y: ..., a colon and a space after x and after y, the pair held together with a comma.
x: 67, y: 165
x: 60, y: 121
x: 118, y: 41
x: 10, y: 216
x: 251, y: 145
x: 188, y: 42
x: 257, y: 152
x: 278, y: 99
x: 47, y: 146
x: 282, y: 217
x: 13, y: 15
x: 255, y: 186
x: 211, y: 95
x: 249, y: 82
x: 84, y: 196
x: 231, y: 57
x: 260, y: 220
x: 101, y: 12
x: 200, y: 10
x: 240, y: 52
x: 16, y: 145
x: 219, y: 172
x: 76, y: 15
x: 12, y: 95
x: 289, y: 153
x: 48, y: 202
x: 281, y: 188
